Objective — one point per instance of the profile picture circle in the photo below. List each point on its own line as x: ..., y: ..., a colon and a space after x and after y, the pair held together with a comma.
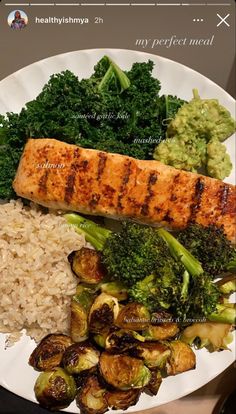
x: 17, y: 19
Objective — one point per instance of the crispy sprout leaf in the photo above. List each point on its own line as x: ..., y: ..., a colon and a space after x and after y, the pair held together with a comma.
x: 91, y: 397
x: 122, y: 400
x: 212, y: 335
x: 80, y: 357
x: 123, y: 372
x: 49, y: 352
x: 55, y: 389
x: 182, y: 358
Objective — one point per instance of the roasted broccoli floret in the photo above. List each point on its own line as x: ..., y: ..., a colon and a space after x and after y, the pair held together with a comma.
x: 158, y: 270
x: 180, y: 253
x: 200, y: 297
x: 166, y: 289
x: 134, y: 253
x: 203, y: 295
x: 130, y: 255
x: 210, y: 246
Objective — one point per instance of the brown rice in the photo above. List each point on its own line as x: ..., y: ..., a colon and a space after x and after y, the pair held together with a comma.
x: 36, y: 282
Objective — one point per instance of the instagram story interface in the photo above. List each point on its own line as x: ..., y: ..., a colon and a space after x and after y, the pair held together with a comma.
x: 117, y: 212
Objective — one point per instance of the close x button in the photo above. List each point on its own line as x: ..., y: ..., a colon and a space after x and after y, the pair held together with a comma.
x: 223, y: 20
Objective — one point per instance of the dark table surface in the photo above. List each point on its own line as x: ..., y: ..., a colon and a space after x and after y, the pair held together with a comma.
x: 11, y: 404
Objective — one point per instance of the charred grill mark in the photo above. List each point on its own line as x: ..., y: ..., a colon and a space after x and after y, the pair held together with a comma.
x: 158, y: 209
x: 76, y: 153
x: 152, y: 179
x: 223, y: 199
x: 167, y: 217
x: 43, y: 182
x: 94, y: 200
x: 145, y: 209
x: 83, y: 166
x: 135, y: 204
x: 173, y: 197
x: 176, y: 178
x: 70, y: 180
x: 230, y: 207
x: 108, y: 193
x: 196, y: 200
x: 126, y: 176
x: 69, y: 190
x: 101, y: 164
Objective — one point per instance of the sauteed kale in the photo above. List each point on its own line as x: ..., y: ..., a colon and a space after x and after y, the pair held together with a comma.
x: 113, y: 110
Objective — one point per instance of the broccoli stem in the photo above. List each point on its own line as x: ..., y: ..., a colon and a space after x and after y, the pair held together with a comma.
x: 224, y: 314
x: 227, y: 285
x: 94, y: 234
x: 179, y: 252
x: 97, y: 235
x: 184, y: 291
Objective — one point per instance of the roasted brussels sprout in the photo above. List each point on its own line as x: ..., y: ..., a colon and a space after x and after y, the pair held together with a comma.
x: 83, y: 376
x: 78, y: 322
x: 91, y: 397
x: 153, y: 386
x: 116, y: 289
x: 182, y: 358
x: 122, y: 400
x: 103, y: 313
x: 122, y: 340
x: 55, y: 389
x: 154, y: 354
x: 133, y: 316
x: 161, y: 332
x: 85, y: 295
x: 80, y: 357
x: 48, y: 353
x: 80, y: 306
x: 123, y: 372
x: 212, y: 335
x: 87, y: 266
x: 100, y: 339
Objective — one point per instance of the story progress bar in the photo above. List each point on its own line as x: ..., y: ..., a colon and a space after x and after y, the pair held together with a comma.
x: 117, y: 4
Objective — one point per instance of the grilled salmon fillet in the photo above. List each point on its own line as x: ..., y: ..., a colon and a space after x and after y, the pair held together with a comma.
x: 63, y: 176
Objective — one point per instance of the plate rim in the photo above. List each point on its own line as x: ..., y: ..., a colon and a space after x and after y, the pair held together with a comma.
x: 171, y: 61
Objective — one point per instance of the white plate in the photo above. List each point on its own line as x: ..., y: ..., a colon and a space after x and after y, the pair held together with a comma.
x: 24, y: 85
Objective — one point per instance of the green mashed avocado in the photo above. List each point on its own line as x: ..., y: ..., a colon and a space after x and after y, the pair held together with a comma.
x: 194, y: 136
